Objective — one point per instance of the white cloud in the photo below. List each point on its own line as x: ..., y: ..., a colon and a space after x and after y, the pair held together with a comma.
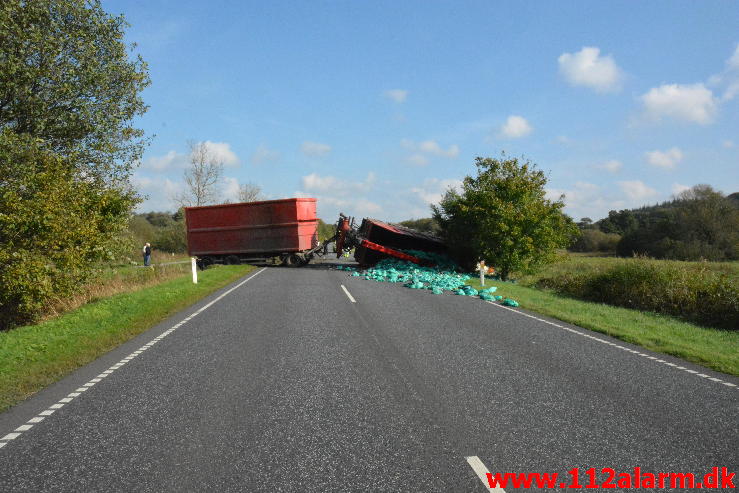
x: 728, y: 144
x: 230, y: 189
x: 315, y: 149
x: 732, y: 90
x: 317, y: 183
x: 222, y: 152
x: 637, y: 191
x: 158, y: 192
x: 733, y: 62
x: 433, y: 189
x: 585, y: 199
x: 582, y: 200
x: 431, y: 147
x: 264, y: 154
x: 692, y: 103
x: 363, y: 207
x: 728, y: 78
x: 564, y: 140
x: 515, y: 127
x: 665, y: 159
x: 397, y: 95
x: 336, y: 194
x: 678, y: 188
x: 612, y: 166
x: 171, y: 160
x: 427, y: 148
x: 417, y: 159
x: 587, y: 68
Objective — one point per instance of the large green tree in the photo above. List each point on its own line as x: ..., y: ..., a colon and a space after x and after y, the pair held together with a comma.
x: 70, y: 90
x: 502, y: 215
x: 66, y: 78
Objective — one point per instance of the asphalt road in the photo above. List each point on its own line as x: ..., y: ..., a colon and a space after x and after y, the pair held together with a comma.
x: 284, y: 384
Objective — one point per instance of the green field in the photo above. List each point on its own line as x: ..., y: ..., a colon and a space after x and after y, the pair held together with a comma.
x: 35, y: 356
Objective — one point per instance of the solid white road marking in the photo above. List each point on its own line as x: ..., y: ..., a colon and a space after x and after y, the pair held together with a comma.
x: 482, y: 472
x: 656, y: 360
x: 92, y: 382
x: 348, y: 294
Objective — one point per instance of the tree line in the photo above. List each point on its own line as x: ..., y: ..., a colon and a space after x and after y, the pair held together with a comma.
x: 699, y: 223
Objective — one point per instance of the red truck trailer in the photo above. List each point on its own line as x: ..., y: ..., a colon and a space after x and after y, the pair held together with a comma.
x: 284, y: 230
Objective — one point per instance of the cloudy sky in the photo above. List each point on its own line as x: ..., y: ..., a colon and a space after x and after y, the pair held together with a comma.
x: 378, y: 107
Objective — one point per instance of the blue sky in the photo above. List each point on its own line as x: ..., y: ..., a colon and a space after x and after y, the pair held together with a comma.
x: 377, y: 107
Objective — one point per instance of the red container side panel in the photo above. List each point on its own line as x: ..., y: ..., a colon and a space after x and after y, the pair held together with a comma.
x: 253, y: 228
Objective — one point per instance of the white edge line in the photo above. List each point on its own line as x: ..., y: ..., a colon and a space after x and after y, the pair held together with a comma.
x: 653, y: 358
x: 351, y: 298
x: 482, y: 472
x: 60, y: 404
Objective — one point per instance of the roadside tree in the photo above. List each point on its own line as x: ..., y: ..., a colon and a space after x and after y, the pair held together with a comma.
x: 69, y: 93
x: 502, y: 216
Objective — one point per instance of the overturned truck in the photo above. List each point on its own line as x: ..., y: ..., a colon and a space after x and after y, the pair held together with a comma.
x: 374, y: 240
x: 285, y: 231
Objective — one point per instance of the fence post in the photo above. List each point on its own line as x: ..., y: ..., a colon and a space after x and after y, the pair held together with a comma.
x: 194, y: 270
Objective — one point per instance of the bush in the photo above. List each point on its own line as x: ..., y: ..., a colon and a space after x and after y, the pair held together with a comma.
x: 593, y: 240
x: 172, y: 239
x: 53, y: 228
x: 699, y: 295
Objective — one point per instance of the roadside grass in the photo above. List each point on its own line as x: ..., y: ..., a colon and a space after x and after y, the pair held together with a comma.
x: 111, y: 279
x: 34, y: 356
x: 714, y: 348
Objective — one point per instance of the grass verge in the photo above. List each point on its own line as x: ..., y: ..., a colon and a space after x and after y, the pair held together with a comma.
x: 713, y: 348
x: 35, y: 356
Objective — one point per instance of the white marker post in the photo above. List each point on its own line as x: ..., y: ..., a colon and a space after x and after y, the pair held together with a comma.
x: 481, y: 267
x: 194, y: 270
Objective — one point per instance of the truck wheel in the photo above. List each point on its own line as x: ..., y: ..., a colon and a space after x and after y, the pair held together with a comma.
x: 232, y: 260
x: 292, y: 260
x: 205, y: 262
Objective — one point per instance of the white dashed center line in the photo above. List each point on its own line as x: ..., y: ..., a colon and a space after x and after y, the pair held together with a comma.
x: 70, y: 397
x: 348, y: 294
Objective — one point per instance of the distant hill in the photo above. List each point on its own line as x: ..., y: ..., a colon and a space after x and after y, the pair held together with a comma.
x: 699, y: 223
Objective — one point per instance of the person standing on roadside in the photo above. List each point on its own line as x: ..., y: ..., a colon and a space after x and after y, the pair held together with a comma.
x: 147, y: 255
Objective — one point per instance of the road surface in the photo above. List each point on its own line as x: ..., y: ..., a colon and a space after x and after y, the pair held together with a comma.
x: 309, y: 380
